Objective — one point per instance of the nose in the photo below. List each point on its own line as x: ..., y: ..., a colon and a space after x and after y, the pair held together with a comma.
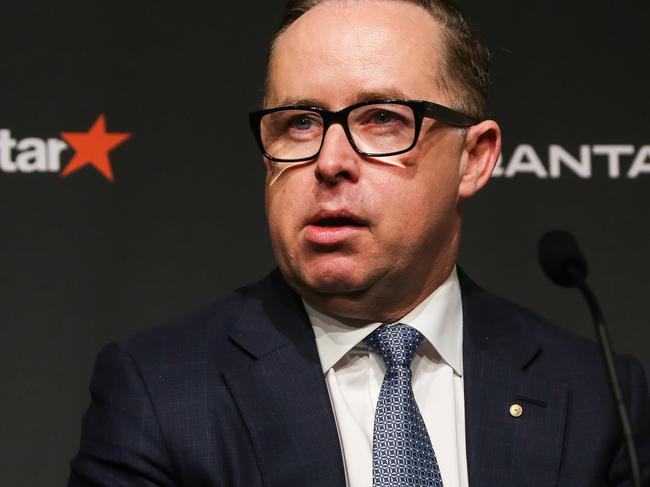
x: 337, y: 160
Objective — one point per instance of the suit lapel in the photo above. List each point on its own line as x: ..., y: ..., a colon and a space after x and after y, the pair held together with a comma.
x: 503, y: 449
x: 282, y: 395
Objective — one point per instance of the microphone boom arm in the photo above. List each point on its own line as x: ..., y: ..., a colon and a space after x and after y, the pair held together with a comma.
x: 603, y: 339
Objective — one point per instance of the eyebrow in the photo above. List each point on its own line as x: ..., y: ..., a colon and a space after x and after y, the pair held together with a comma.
x: 289, y: 101
x: 390, y: 93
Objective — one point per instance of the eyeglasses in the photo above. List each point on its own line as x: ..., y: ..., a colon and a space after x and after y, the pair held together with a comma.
x: 375, y: 128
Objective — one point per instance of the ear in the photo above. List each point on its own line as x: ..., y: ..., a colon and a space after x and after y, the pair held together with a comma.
x: 480, y: 156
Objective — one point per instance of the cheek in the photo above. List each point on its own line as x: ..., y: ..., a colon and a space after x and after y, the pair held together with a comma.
x: 275, y: 195
x: 286, y: 205
x: 438, y: 183
x: 423, y: 209
x: 438, y: 199
x: 276, y: 210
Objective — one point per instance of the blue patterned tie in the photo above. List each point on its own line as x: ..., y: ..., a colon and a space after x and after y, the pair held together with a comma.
x: 402, y: 455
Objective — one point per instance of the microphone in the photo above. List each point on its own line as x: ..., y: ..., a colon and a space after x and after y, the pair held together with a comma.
x: 561, y: 259
x: 564, y: 264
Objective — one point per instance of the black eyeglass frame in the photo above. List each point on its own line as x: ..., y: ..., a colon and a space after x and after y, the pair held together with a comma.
x: 420, y: 108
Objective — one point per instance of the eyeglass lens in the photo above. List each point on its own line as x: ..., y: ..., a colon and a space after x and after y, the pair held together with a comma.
x: 376, y: 129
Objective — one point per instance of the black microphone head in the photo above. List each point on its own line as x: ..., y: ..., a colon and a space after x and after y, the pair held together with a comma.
x: 561, y: 258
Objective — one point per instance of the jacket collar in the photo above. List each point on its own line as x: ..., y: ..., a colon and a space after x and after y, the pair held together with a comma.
x: 272, y: 317
x: 489, y: 326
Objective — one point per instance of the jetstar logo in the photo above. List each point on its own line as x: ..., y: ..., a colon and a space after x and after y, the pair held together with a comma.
x: 37, y: 155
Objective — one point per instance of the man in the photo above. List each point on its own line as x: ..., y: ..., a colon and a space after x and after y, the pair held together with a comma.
x: 373, y: 135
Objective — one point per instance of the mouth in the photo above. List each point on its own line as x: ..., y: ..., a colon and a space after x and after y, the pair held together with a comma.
x: 332, y: 222
x: 327, y: 228
x: 337, y: 218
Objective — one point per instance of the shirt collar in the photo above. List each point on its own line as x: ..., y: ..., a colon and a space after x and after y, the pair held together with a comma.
x: 439, y: 318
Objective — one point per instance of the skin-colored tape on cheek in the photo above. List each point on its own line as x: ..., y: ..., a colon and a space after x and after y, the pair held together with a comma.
x: 387, y: 160
x: 276, y: 169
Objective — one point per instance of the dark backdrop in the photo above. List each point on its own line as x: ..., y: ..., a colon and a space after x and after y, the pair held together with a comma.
x: 85, y: 260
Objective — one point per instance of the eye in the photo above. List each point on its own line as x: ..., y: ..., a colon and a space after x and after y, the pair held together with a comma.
x: 382, y: 117
x: 301, y: 122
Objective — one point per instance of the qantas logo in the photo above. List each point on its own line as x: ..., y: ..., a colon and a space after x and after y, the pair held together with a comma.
x: 37, y: 155
x: 614, y: 161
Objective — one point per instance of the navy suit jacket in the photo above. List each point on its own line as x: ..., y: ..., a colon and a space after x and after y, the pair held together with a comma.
x: 234, y: 396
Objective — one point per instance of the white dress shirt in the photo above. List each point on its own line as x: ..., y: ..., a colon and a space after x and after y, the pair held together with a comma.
x: 354, y: 377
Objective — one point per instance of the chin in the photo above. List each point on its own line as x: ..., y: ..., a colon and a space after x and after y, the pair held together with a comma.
x: 330, y: 281
x: 338, y: 291
x: 334, y: 283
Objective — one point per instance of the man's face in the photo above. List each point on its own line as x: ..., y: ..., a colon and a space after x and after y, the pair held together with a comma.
x: 360, y: 237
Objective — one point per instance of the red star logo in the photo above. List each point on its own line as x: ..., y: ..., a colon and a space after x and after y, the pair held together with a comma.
x: 92, y: 148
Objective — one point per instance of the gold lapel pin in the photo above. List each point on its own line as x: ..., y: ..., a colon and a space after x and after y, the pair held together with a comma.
x: 516, y: 410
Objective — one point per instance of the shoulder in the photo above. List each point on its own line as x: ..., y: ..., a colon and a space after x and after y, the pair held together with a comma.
x: 158, y: 388
x: 559, y: 352
x: 200, y: 338
x: 188, y: 333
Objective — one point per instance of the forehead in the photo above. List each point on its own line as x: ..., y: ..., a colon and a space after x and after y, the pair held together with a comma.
x: 341, y: 51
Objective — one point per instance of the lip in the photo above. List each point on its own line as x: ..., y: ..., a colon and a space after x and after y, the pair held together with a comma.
x: 318, y: 234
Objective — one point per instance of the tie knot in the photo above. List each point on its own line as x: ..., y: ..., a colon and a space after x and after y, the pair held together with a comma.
x: 397, y: 344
